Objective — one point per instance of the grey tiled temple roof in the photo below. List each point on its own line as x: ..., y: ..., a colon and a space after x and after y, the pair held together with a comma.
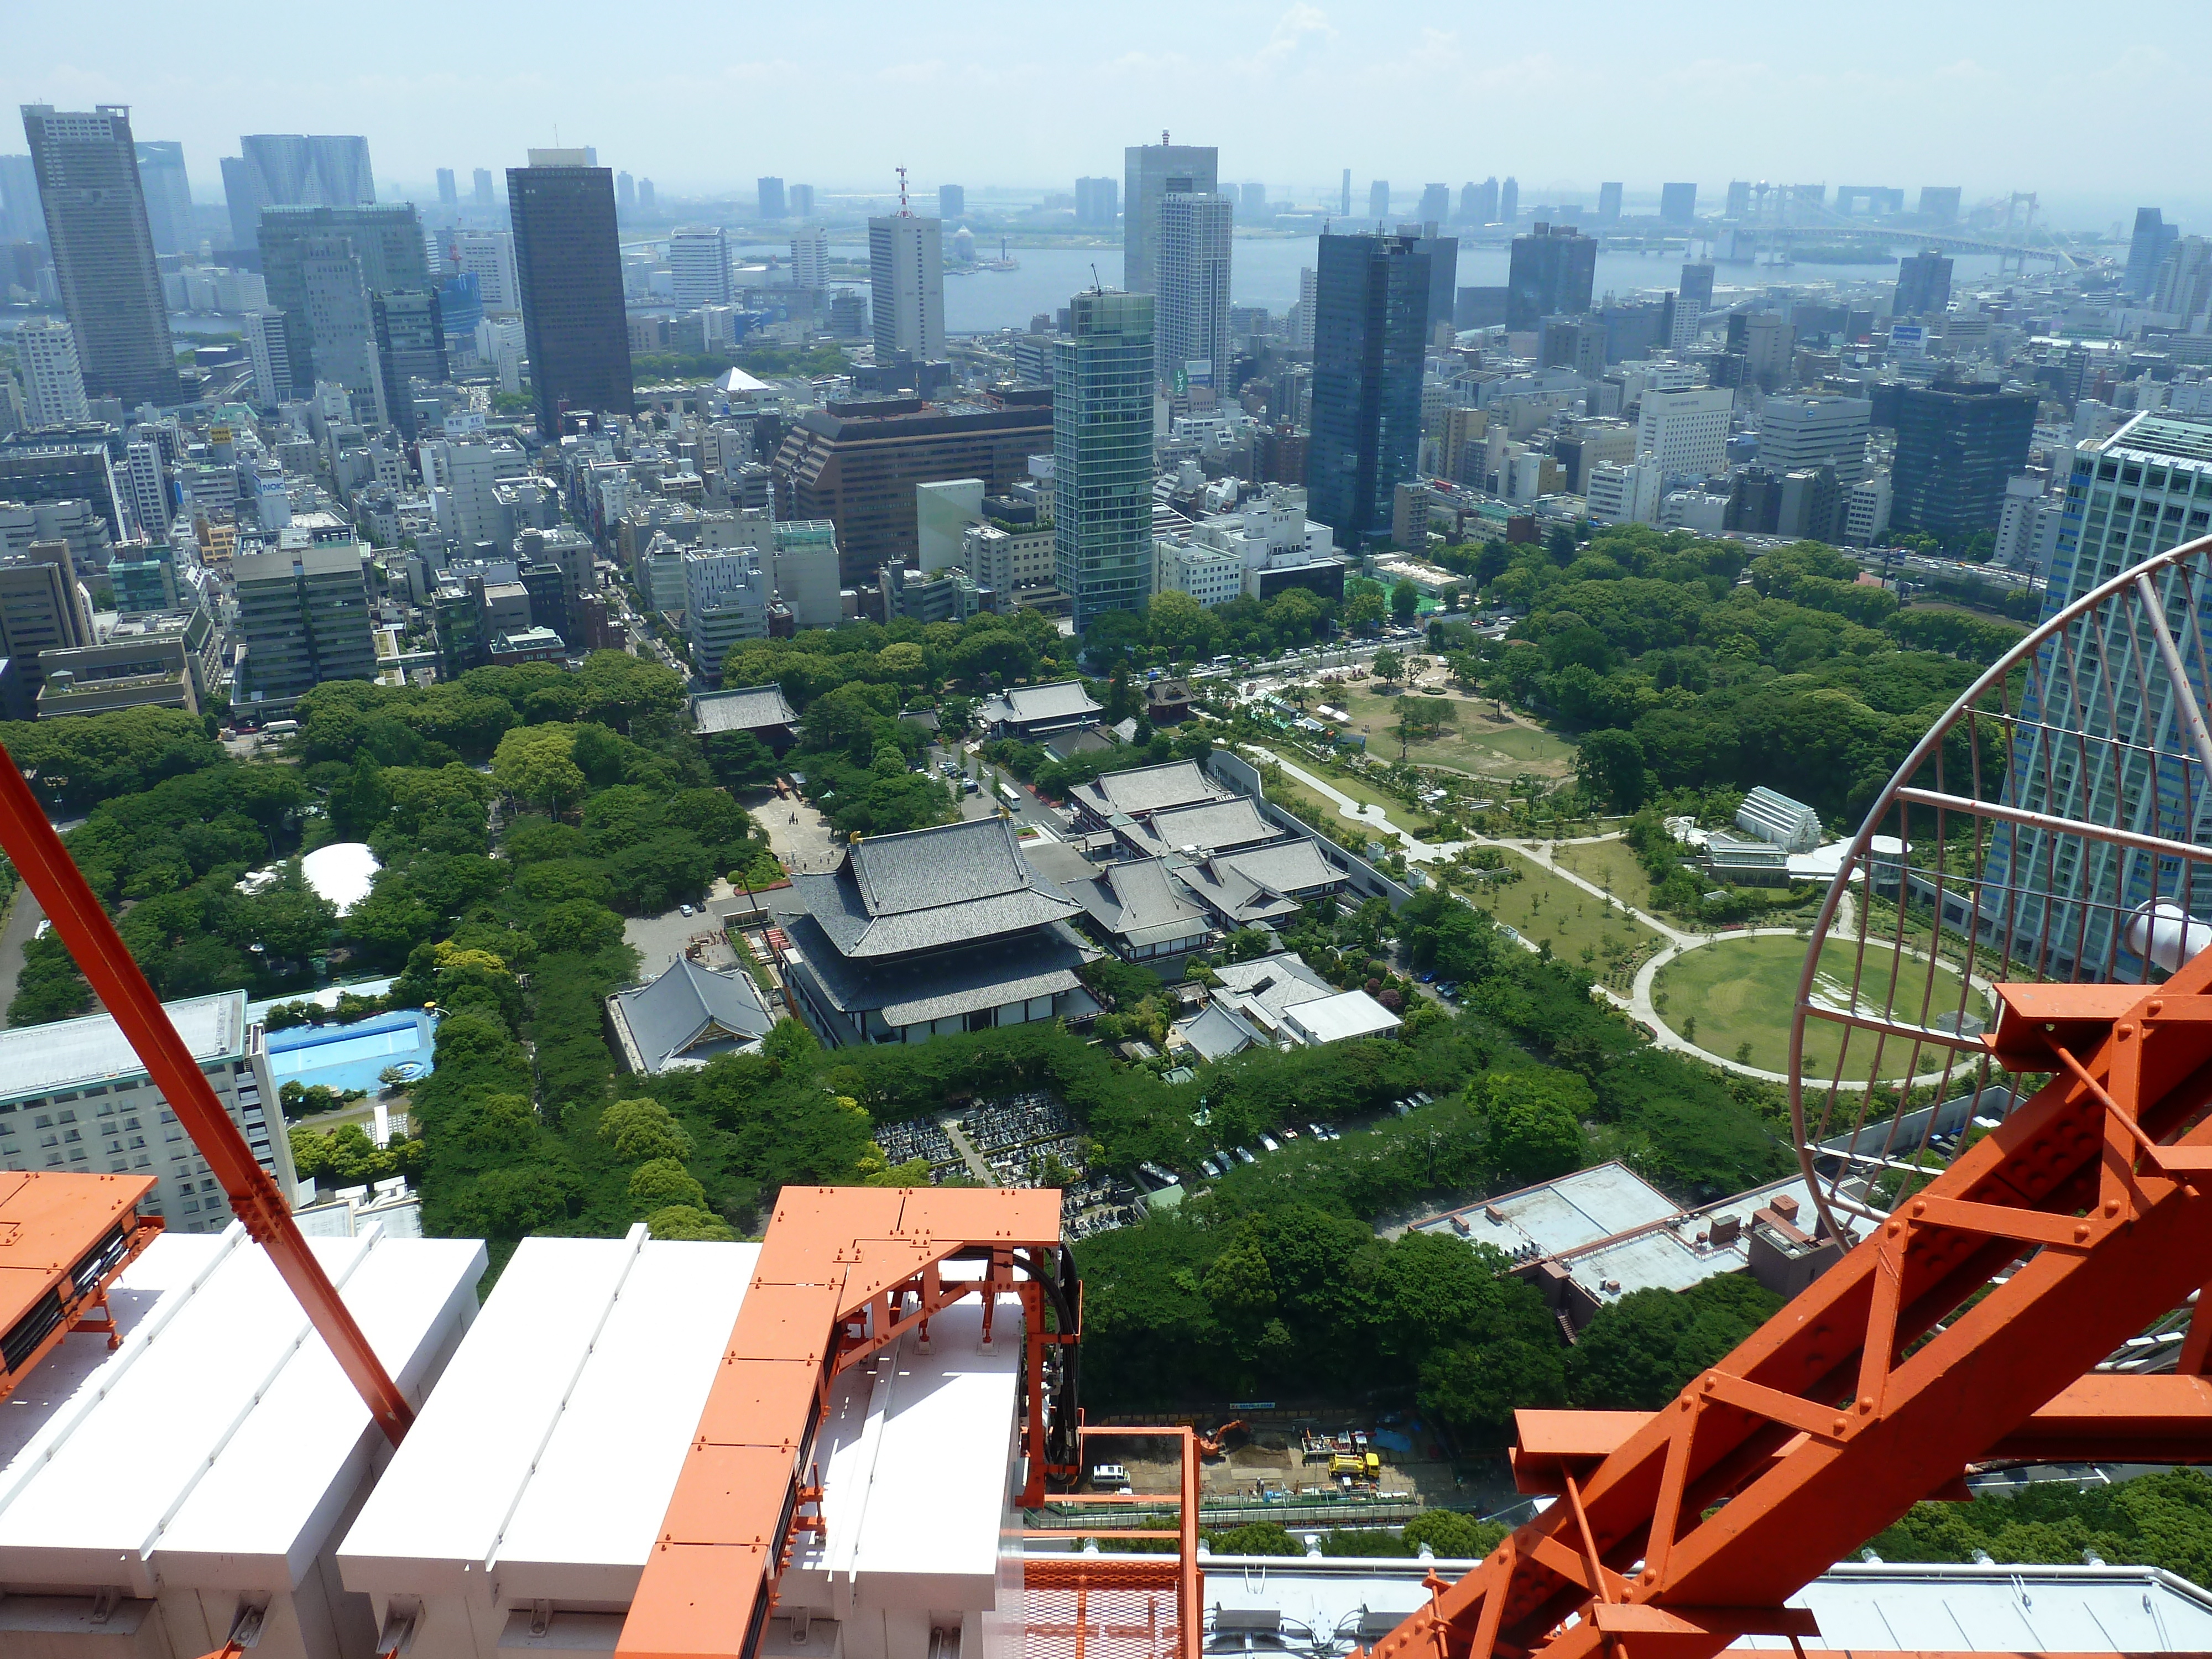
x: 930, y: 889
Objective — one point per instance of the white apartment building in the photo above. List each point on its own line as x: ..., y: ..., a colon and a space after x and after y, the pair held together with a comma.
x: 1005, y: 561
x: 1208, y: 575
x: 699, y: 265
x: 149, y: 492
x: 1308, y: 303
x: 1623, y: 495
x: 906, y: 283
x: 725, y: 599
x: 266, y: 349
x: 463, y: 480
x: 1685, y: 431
x: 1698, y: 511
x: 808, y: 581
x: 73, y: 1096
x: 810, y: 257
x: 1866, y: 510
x: 1795, y: 433
x: 53, y: 379
x: 489, y: 256
x: 1269, y: 531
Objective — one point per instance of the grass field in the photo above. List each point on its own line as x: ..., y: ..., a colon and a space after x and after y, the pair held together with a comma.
x: 1405, y: 817
x: 1474, y: 742
x: 1613, y: 866
x: 1543, y: 907
x: 1741, y: 991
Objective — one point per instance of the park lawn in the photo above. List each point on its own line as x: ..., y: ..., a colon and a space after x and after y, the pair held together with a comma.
x: 1405, y: 817
x: 1474, y: 742
x: 1543, y: 907
x: 1742, y: 991
x: 1613, y: 865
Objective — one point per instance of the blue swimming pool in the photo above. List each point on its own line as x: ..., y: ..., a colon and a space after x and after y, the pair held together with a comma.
x: 349, y: 1057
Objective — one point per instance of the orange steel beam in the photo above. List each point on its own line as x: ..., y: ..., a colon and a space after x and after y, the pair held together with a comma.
x: 63, y: 1240
x: 78, y: 917
x: 1878, y: 1386
x: 843, y: 1272
x: 1190, y: 1584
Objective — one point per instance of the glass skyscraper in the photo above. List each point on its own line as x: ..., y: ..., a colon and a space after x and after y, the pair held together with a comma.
x: 1370, y: 312
x: 567, y: 257
x: 86, y: 166
x: 386, y: 243
x: 1101, y: 443
x: 1153, y: 171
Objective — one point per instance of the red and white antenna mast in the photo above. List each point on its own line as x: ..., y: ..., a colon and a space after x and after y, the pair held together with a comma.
x: 905, y: 212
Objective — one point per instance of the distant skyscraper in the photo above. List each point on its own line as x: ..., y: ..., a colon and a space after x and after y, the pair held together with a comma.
x: 802, y: 200
x: 1344, y: 205
x: 480, y: 188
x: 568, y: 256
x: 951, y: 202
x: 810, y: 257
x: 1436, y: 203
x: 341, y: 323
x: 169, y: 195
x: 449, y: 190
x: 21, y: 220
x: 699, y: 265
x: 1956, y: 446
x: 53, y: 381
x: 1191, y: 321
x: 1478, y: 204
x: 86, y: 166
x: 906, y: 283
x: 1370, y: 344
x: 1097, y: 201
x: 1940, y: 203
x: 410, y: 345
x: 1509, y: 201
x: 645, y: 196
x: 291, y: 169
x: 385, y: 245
x: 1739, y: 200
x: 1153, y: 171
x: 1553, y: 270
x: 771, y: 198
x: 1609, y: 204
x: 1378, y: 199
x: 1678, y: 205
x: 1443, y: 255
x: 1101, y: 428
x: 266, y: 350
x: 1694, y: 300
x: 2146, y: 251
x: 1924, y: 285
x: 1309, y: 292
x: 1252, y: 203
x: 625, y: 193
x: 489, y: 256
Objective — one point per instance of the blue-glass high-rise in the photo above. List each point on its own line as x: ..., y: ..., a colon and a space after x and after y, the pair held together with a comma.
x: 1370, y: 314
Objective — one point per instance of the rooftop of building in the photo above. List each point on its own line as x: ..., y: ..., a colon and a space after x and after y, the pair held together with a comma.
x: 1235, y: 821
x: 741, y: 708
x: 78, y: 1054
x: 2161, y: 437
x: 687, y: 1014
x: 929, y: 889
x: 1022, y: 705
x: 1146, y: 789
x: 1141, y: 902
x: 1556, y: 1216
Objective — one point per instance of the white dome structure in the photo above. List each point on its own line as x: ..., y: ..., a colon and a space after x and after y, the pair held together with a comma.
x: 341, y: 873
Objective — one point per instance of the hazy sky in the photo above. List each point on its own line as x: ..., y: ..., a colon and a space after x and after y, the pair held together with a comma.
x: 2090, y: 109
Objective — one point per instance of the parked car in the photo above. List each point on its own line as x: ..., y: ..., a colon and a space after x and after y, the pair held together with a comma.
x: 1270, y: 1143
x: 686, y: 910
x: 1244, y: 1156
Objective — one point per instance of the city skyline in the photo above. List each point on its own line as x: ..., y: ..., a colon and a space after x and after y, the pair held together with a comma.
x: 1952, y: 114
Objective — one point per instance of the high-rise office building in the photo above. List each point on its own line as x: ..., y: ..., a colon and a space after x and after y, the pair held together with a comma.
x: 20, y: 219
x: 1796, y: 433
x: 86, y: 166
x: 1691, y: 302
x: 1553, y: 270
x: 341, y: 327
x: 1378, y: 200
x: 1097, y: 201
x: 625, y: 194
x: 1102, y: 444
x: 449, y: 189
x: 1436, y: 203
x: 1252, y: 203
x: 1939, y: 203
x: 568, y: 256
x: 304, y: 610
x: 1923, y: 284
x: 489, y: 256
x: 1684, y: 430
x: 53, y: 379
x: 906, y: 284
x: 1443, y: 255
x: 291, y: 169
x: 410, y: 345
x: 169, y: 195
x: 801, y: 199
x: 2183, y: 288
x: 1509, y: 201
x: 1956, y: 445
x: 1369, y: 345
x: 951, y: 202
x: 1344, y: 202
x: 143, y: 474
x: 386, y: 245
x: 480, y: 188
x: 772, y: 205
x: 1191, y: 321
x: 1478, y: 204
x: 268, y: 352
x: 1609, y: 204
x: 810, y: 257
x: 647, y: 201
x: 42, y: 606
x: 2146, y: 251
x: 699, y: 265
x: 1678, y: 205
x: 1151, y: 171
x: 1308, y: 302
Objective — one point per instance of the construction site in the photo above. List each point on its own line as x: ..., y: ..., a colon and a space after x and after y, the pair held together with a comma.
x: 863, y: 1437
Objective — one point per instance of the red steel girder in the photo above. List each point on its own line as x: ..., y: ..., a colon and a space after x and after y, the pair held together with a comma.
x: 1878, y: 1385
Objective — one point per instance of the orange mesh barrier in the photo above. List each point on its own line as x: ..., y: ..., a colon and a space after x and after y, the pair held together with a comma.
x: 1103, y: 1607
